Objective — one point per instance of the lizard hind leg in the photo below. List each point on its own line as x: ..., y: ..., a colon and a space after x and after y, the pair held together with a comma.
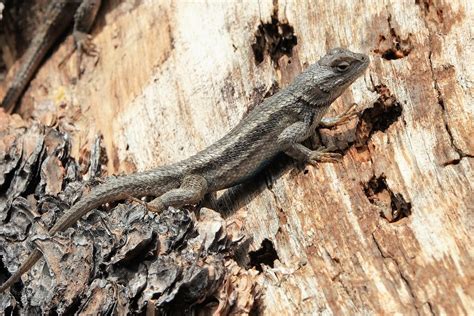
x: 192, y: 190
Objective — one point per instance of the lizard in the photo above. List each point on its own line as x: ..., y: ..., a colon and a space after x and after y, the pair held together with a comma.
x: 59, y: 15
x: 279, y: 124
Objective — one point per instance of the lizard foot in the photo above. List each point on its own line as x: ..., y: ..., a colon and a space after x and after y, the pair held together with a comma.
x: 348, y: 114
x: 149, y: 207
x: 323, y: 154
x: 156, y: 205
x: 84, y: 45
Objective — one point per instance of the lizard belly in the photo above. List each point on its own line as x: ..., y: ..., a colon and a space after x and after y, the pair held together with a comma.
x: 236, y: 172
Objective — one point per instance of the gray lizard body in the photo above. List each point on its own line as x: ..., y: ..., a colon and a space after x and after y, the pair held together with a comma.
x: 58, y: 17
x: 277, y: 125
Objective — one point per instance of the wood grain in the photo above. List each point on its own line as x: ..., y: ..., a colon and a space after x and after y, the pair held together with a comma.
x: 173, y: 77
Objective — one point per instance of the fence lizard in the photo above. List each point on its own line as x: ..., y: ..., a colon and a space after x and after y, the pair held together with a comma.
x: 59, y: 16
x: 277, y: 125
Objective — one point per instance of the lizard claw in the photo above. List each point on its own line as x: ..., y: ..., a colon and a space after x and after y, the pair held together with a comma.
x: 85, y: 46
x: 323, y: 154
x: 348, y: 114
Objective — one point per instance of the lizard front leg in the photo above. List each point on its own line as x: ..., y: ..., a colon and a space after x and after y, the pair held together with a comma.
x: 329, y: 122
x: 291, y: 138
x: 313, y: 157
x: 192, y: 190
x: 83, y: 20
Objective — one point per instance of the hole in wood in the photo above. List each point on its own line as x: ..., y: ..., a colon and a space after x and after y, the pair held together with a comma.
x: 275, y: 39
x: 385, y: 111
x: 265, y: 255
x: 392, y: 206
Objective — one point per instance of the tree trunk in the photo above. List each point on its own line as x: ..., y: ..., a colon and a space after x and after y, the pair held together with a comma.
x: 388, y: 229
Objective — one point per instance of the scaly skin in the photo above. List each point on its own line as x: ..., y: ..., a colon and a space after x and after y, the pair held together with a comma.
x: 59, y: 16
x: 277, y: 125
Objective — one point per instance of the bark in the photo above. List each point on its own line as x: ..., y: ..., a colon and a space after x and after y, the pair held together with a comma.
x: 388, y: 229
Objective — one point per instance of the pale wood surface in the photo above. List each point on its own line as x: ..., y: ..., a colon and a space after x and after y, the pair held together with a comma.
x: 172, y: 78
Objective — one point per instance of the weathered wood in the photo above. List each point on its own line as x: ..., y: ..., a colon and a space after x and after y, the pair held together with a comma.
x: 389, y: 228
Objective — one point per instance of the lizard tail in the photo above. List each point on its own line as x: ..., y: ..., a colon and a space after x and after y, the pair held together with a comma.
x: 115, y: 190
x: 34, y: 256
x: 10, y: 99
x: 25, y: 73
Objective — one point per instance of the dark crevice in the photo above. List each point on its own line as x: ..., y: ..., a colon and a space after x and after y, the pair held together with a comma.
x: 430, y: 306
x: 392, y: 206
x: 10, y: 175
x: 275, y: 39
x: 266, y: 255
x: 4, y: 274
x: 440, y: 99
x: 336, y: 262
x: 394, y: 47
x: 258, y: 307
x: 379, y: 248
x: 73, y: 307
x: 31, y: 171
x: 405, y: 280
x: 385, y: 111
x: 408, y: 285
x: 425, y: 7
x: 15, y: 289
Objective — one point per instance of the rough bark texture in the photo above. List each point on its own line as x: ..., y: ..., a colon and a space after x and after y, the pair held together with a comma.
x: 386, y: 230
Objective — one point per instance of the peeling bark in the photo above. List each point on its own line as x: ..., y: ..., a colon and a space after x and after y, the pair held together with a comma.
x: 386, y: 230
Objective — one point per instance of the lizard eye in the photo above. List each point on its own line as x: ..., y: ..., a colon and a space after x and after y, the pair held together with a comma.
x: 342, y: 66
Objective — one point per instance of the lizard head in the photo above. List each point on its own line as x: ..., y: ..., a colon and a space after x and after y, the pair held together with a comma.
x: 324, y: 81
